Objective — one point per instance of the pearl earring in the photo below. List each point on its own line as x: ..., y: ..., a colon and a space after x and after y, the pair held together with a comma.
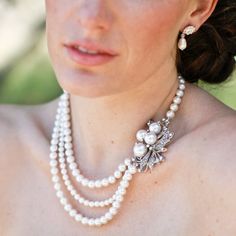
x: 182, y: 44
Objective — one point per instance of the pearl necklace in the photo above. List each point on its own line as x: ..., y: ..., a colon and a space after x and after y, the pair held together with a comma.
x: 147, y: 154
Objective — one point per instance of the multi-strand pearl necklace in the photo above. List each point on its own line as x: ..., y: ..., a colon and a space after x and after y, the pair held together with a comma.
x: 147, y: 153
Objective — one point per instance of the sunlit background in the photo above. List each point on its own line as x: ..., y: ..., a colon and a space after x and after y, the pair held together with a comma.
x: 26, y: 76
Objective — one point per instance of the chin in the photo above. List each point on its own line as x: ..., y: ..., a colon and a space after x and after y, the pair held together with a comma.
x: 87, y: 85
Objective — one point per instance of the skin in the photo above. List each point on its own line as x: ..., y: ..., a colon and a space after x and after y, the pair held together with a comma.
x: 192, y: 193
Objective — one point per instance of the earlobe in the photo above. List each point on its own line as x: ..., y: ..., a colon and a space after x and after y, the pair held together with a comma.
x: 203, y: 11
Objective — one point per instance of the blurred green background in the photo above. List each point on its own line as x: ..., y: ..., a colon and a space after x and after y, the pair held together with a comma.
x: 26, y: 75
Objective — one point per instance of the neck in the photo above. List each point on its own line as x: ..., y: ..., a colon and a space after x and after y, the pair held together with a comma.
x: 104, y: 128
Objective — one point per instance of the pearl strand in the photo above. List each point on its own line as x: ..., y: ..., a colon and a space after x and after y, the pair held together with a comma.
x: 62, y: 141
x: 71, y: 188
x: 118, y: 196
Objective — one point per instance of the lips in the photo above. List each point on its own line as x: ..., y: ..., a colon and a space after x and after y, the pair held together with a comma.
x: 89, y: 53
x: 91, y: 46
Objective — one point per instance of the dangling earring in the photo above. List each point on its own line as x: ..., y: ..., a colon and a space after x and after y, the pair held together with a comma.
x: 182, y: 44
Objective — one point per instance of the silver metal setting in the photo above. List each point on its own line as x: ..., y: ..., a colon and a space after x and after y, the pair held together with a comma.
x: 154, y: 155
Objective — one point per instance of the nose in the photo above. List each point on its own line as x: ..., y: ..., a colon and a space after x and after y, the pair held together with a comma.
x: 94, y: 15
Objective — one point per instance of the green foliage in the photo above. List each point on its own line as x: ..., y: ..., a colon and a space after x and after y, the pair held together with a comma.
x: 32, y: 81
x: 225, y: 92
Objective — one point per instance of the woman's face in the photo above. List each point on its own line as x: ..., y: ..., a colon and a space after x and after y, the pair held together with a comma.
x: 142, y: 34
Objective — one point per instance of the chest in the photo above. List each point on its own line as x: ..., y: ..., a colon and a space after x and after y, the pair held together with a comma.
x: 30, y: 207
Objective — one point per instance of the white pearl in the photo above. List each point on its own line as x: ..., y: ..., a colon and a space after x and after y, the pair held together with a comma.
x: 68, y: 138
x: 101, y: 204
x: 91, y: 204
x: 124, y: 183
x: 108, y: 216
x: 55, y: 135
x: 68, y: 146
x: 53, y: 163
x: 127, y: 176
x: 53, y: 148
x: 91, y: 184
x: 63, y: 166
x: 122, y: 167
x: 182, y: 81
x: 98, y: 222
x: 65, y: 177
x: 98, y: 184
x: 66, y: 124
x: 84, y: 182
x: 150, y: 138
x: 54, y: 142
x: 117, y: 174
x: 84, y: 220
x: 140, y: 135
x: 81, y: 200
x: 55, y: 179
x: 116, y: 205
x: 182, y: 87
x: 57, y: 186
x: 180, y: 93
x: 56, y: 129
x: 63, y: 201
x: 91, y: 222
x: 75, y: 173
x: 139, y: 149
x: 66, y: 117
x: 67, y: 132
x: 69, y: 152
x: 61, y: 149
x: 113, y: 210
x: 111, y: 179
x: 64, y: 96
x: 86, y: 202
x: 119, y: 198
x: 67, y: 207
x: 155, y: 127
x: 59, y: 194
x: 53, y: 155
x: 177, y: 100
x: 54, y: 170
x: 78, y: 217
x: 174, y: 107
x: 107, y: 202
x: 105, y: 182
x: 67, y: 182
x: 127, y: 161
x: 103, y: 220
x: 63, y: 171
x: 132, y: 169
x: 170, y: 114
x: 122, y: 191
x: 73, y: 166
x: 182, y: 44
x: 79, y: 178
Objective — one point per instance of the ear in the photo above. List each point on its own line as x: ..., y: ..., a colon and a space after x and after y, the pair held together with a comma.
x: 201, y: 12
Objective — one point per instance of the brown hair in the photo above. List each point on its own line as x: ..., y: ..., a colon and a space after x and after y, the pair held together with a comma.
x: 211, y: 50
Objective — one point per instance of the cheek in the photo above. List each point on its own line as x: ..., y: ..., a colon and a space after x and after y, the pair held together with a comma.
x: 154, y: 28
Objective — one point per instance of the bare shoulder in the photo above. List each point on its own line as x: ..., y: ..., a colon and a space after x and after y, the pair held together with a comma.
x: 211, y: 166
x: 212, y: 140
x: 23, y: 131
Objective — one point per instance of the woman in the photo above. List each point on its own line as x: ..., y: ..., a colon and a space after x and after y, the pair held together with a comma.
x: 118, y: 66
